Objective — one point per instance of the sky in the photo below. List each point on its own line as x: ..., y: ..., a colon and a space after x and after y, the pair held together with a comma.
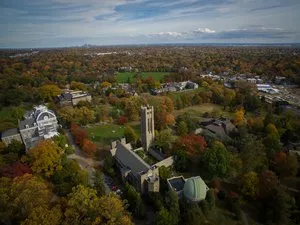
x: 64, y: 23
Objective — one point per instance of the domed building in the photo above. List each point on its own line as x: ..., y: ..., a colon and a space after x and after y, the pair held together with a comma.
x: 195, y: 189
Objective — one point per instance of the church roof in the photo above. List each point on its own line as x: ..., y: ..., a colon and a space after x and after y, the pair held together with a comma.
x: 130, y: 159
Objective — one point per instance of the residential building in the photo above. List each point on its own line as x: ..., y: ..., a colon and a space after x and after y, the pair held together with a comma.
x: 217, y: 127
x: 70, y: 97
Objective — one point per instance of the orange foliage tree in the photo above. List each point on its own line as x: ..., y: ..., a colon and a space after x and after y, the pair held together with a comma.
x: 89, y: 147
x: 192, y: 144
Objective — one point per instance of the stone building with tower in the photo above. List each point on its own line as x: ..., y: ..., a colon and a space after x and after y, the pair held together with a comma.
x: 144, y: 177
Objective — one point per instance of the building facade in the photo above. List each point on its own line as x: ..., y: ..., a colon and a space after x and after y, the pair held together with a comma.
x: 72, y: 98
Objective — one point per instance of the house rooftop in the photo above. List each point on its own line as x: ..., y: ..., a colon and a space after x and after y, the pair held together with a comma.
x: 177, y: 183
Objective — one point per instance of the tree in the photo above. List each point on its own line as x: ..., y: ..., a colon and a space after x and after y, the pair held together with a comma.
x: 108, y: 166
x: 164, y: 217
x: 48, y: 91
x: 21, y: 196
x: 130, y: 134
x: 78, y: 86
x: 99, y: 183
x: 17, y: 113
x: 249, y: 184
x: 277, y: 210
x: 252, y: 154
x: 134, y: 199
x: 46, y: 157
x: 192, y: 144
x: 172, y: 205
x: 194, y: 215
x: 15, y: 147
x: 182, y: 128
x: 164, y: 140
x: 69, y: 176
x: 89, y: 147
x: 79, y: 134
x: 84, y: 115
x: 268, y: 183
x: 210, y: 198
x: 216, y: 160
x: 16, y: 169
x: 181, y: 160
x: 40, y: 215
x: 239, y: 117
x: 85, y: 207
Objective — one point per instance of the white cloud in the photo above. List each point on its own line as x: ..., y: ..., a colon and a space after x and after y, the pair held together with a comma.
x: 204, y: 30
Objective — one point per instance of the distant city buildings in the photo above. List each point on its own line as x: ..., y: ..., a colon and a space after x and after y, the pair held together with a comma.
x: 39, y: 124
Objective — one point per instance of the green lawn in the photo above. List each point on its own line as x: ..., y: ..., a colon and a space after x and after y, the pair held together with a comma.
x: 106, y: 133
x: 124, y: 77
x: 198, y: 110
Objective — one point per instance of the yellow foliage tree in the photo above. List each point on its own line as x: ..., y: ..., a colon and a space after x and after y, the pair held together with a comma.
x: 239, y: 117
x: 48, y: 91
x: 249, y: 183
x: 46, y: 157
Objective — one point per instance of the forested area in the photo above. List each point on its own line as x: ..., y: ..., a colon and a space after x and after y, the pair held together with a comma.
x: 253, y: 173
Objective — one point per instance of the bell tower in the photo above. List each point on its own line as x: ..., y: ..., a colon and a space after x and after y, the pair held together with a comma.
x: 147, y: 126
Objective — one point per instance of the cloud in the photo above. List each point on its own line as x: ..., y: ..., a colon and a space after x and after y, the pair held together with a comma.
x: 204, y: 30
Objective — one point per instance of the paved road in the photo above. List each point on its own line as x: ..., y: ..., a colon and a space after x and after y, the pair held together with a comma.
x: 85, y: 162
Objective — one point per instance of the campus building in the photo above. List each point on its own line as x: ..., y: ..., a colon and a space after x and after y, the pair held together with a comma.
x: 144, y: 177
x: 72, y: 98
x: 39, y: 124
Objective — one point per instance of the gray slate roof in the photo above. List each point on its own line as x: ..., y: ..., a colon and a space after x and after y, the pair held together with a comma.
x: 10, y: 132
x: 130, y: 159
x: 30, y: 122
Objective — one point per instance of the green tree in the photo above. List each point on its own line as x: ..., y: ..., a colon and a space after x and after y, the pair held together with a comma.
x: 108, y: 166
x: 164, y: 140
x: 46, y: 157
x: 181, y: 160
x: 99, y: 183
x: 17, y: 113
x: 182, y: 128
x: 216, y: 160
x: 210, y: 198
x: 15, y: 147
x: 130, y: 134
x: 194, y: 215
x: 164, y: 217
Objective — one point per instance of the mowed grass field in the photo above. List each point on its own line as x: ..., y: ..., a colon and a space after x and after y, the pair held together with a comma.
x: 104, y: 134
x: 198, y: 110
x: 124, y: 77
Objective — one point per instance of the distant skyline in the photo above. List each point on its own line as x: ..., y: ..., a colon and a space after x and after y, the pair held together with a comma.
x: 65, y: 23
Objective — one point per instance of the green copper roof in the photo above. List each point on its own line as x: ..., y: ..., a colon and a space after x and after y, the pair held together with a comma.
x: 195, y: 189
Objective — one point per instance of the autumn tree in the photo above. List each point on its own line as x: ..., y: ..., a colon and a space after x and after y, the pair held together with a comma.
x: 99, y: 184
x: 130, y: 134
x: 85, y: 207
x: 22, y: 196
x: 192, y: 144
x: 45, y: 216
x: 46, y: 157
x: 250, y: 184
x: 239, y: 116
x: 79, y: 134
x: 89, y: 147
x: 268, y: 183
x: 48, y: 91
x: 16, y: 169
x: 78, y: 86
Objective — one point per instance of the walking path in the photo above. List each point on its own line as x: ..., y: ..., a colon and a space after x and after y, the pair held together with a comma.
x: 85, y: 162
